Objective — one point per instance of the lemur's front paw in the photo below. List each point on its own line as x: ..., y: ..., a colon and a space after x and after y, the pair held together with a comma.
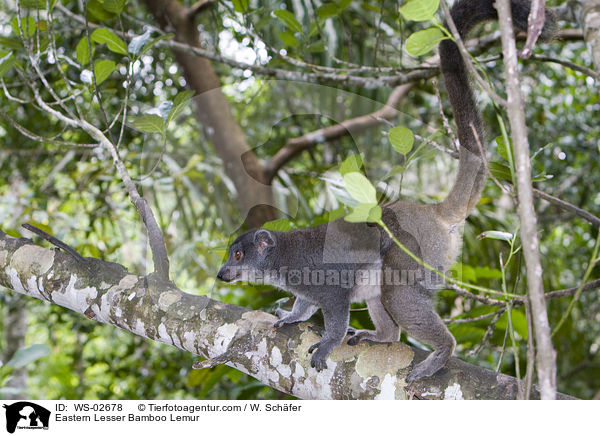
x: 318, y: 360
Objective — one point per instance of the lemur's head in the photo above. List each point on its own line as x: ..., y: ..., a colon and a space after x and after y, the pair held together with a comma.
x: 247, y: 255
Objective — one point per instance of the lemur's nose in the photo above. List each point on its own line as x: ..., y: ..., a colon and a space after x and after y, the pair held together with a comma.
x: 221, y: 275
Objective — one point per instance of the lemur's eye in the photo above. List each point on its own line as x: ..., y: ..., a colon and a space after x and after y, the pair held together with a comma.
x: 237, y: 255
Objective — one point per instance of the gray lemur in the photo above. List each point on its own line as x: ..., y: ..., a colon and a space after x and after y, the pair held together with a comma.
x: 332, y: 265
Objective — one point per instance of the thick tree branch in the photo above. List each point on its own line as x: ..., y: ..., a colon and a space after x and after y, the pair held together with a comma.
x: 350, y: 127
x: 107, y: 293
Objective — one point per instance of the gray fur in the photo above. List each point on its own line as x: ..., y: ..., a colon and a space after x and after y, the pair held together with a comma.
x: 343, y: 250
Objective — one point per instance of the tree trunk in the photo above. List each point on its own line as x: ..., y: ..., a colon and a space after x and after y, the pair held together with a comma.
x: 254, y: 193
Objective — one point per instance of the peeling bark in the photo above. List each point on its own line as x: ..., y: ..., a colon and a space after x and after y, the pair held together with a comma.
x: 107, y: 293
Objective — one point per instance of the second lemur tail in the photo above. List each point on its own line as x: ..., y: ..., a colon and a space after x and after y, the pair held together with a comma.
x: 471, y: 171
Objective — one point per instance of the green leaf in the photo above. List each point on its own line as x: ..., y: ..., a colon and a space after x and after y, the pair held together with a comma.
x: 180, y: 102
x: 360, y: 188
x: 464, y: 272
x: 148, y: 123
x: 288, y: 38
x: 485, y: 272
x: 364, y: 212
x: 402, y: 139
x: 329, y: 216
x: 288, y: 19
x: 500, y: 171
x: 27, y: 355
x: 102, y: 69
x: 11, y: 43
x: 97, y: 13
x: 476, y: 312
x: 28, y: 25
x: 337, y: 187
x: 519, y: 322
x: 467, y: 334
x: 495, y: 234
x: 501, y: 147
x: 114, y: 6
x: 112, y: 41
x: 6, y: 63
x: 370, y: 7
x: 343, y: 4
x: 316, y: 47
x: 280, y: 225
x: 419, y: 10
x: 83, y: 51
x: 37, y: 4
x: 352, y: 164
x: 240, y: 6
x: 327, y: 11
x: 375, y: 214
x: 215, y: 376
x: 423, y: 41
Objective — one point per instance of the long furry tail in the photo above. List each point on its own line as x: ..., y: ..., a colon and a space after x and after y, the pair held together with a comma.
x: 471, y: 177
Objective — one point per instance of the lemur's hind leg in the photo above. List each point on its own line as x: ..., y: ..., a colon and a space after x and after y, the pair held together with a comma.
x: 386, y: 330
x: 411, y: 307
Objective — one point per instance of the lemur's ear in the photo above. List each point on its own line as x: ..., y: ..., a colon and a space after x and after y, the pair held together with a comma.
x: 263, y: 240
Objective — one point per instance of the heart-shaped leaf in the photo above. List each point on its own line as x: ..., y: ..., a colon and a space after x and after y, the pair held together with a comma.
x: 423, y: 41
x: 419, y: 10
x: 112, y: 41
x: 402, y: 139
x: 360, y: 188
